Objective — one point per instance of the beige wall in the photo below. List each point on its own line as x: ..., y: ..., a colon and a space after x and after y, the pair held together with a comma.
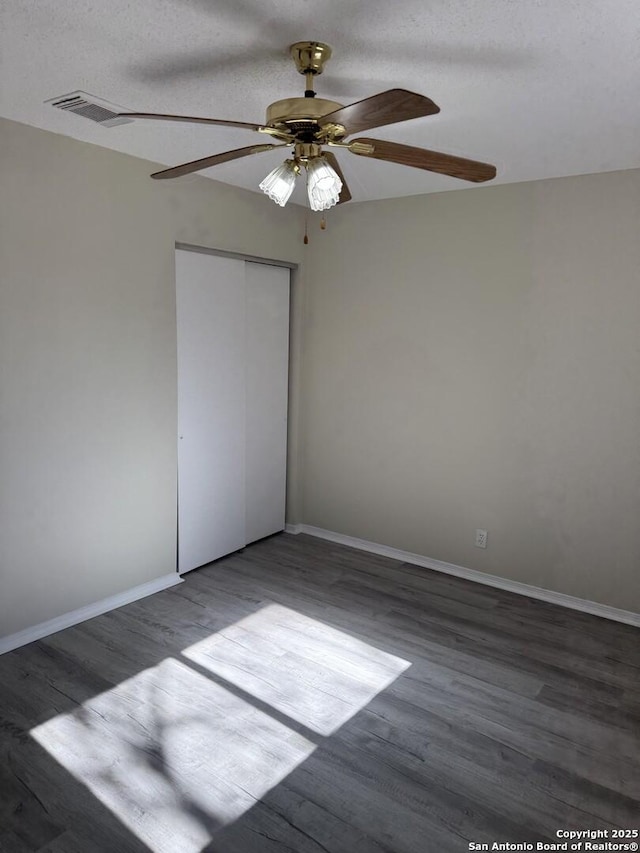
x: 88, y: 362
x: 472, y: 359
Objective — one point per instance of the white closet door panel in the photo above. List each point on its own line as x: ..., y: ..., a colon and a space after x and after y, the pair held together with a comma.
x: 267, y: 390
x: 210, y: 294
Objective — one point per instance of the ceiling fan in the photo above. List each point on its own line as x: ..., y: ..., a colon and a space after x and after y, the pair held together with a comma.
x: 309, y: 124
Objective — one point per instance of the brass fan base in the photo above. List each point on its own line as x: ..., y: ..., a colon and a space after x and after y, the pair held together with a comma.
x: 298, y: 119
x: 310, y: 56
x: 299, y: 109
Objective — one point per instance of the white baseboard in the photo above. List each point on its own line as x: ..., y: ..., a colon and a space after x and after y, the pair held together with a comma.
x: 593, y: 607
x: 44, y: 629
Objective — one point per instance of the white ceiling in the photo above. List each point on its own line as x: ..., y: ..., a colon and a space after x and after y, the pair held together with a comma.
x: 540, y: 88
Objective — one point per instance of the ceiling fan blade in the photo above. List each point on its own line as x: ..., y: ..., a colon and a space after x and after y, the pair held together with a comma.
x: 345, y: 193
x: 192, y: 120
x: 385, y: 108
x: 214, y: 160
x: 432, y: 161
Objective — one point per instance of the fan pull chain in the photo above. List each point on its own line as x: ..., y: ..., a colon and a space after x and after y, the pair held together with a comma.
x: 323, y: 227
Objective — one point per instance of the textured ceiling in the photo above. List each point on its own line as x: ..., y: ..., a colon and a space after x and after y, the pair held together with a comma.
x: 540, y: 88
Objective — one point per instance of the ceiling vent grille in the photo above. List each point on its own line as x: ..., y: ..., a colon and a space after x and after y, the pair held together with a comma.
x: 88, y: 106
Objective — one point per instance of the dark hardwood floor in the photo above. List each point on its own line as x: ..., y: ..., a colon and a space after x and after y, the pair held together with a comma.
x: 302, y: 696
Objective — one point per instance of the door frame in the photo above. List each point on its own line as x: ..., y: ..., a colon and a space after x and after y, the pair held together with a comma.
x: 240, y: 256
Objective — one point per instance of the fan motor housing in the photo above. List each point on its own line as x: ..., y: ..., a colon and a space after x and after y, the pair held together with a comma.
x: 297, y: 115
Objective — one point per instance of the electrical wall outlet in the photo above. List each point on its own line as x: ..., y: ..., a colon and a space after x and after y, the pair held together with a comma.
x: 481, y: 538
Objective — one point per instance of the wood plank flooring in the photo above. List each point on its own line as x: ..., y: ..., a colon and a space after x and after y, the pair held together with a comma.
x: 300, y: 696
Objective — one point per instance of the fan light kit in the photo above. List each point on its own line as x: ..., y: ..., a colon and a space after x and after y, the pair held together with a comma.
x: 309, y: 124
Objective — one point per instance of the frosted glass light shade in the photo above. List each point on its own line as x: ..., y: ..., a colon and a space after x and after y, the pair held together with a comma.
x: 323, y: 184
x: 279, y: 184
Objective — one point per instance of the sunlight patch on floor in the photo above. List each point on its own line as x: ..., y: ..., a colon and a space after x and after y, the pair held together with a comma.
x: 301, y: 667
x: 175, y: 755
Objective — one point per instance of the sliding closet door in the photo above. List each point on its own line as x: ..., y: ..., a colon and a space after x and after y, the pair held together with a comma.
x: 233, y: 357
x: 210, y: 293
x: 267, y: 380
